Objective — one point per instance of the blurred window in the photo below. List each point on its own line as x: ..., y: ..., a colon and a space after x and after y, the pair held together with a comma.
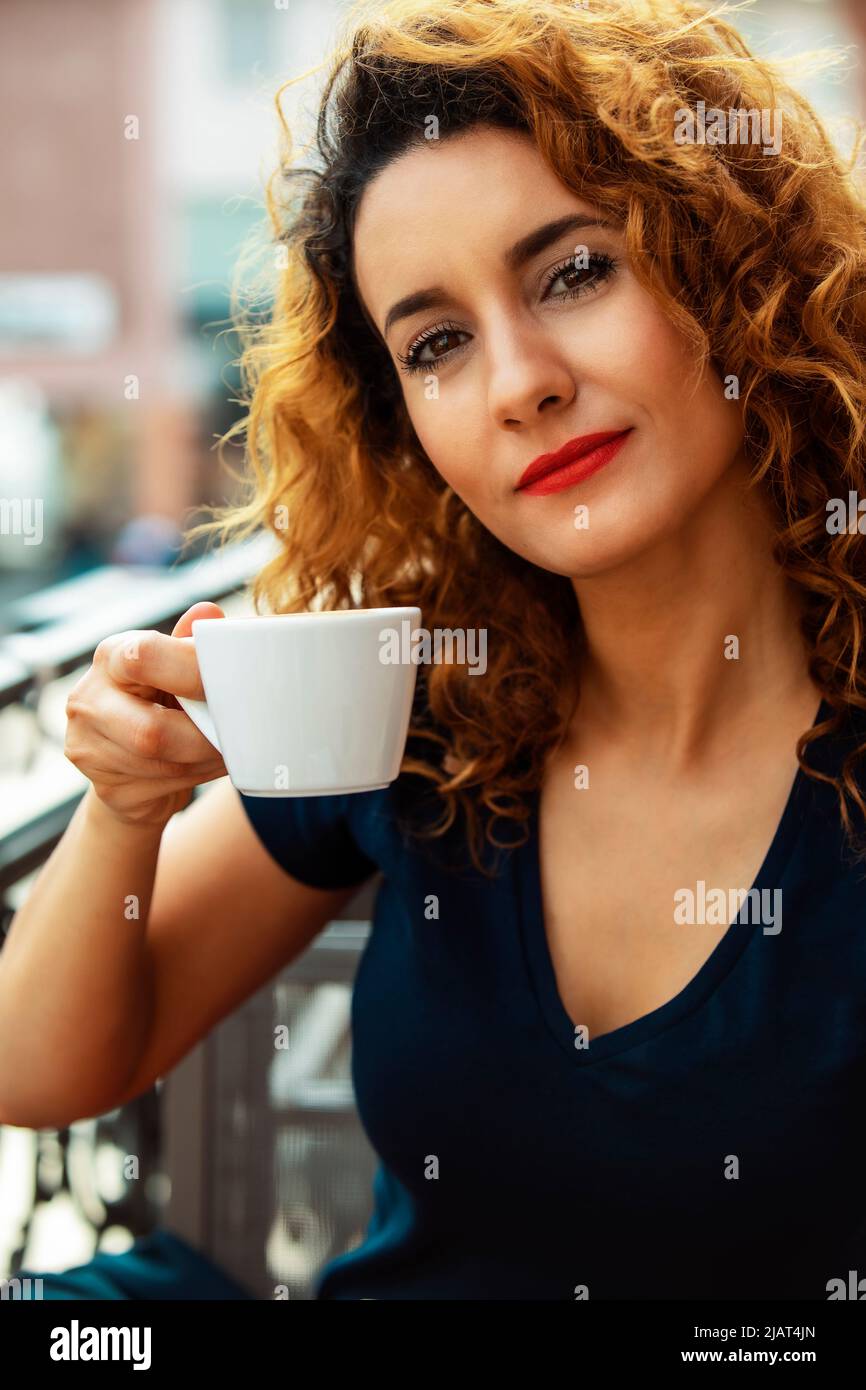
x: 56, y: 312
x: 247, y: 37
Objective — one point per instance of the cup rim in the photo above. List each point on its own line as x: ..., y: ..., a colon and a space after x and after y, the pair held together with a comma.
x: 330, y: 613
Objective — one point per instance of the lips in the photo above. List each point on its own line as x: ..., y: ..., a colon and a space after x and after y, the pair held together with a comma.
x: 590, y: 450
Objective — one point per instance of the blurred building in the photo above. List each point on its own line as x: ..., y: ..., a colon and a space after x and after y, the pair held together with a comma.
x: 138, y: 137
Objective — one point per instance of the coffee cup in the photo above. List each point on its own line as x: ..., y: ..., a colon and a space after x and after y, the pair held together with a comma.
x: 304, y: 704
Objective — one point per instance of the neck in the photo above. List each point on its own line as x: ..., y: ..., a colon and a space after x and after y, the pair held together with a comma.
x: 659, y: 665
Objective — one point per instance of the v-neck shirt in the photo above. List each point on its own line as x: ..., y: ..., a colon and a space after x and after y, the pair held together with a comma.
x: 712, y: 1148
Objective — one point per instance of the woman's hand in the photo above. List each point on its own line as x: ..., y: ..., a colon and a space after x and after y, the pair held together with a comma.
x: 126, y: 732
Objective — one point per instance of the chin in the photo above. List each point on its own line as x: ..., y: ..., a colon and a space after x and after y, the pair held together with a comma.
x: 589, y: 555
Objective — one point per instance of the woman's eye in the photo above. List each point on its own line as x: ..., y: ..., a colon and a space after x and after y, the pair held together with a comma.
x: 413, y: 361
x: 594, y: 268
x: 436, y: 344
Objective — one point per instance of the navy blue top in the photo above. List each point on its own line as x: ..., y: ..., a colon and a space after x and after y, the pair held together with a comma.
x: 515, y: 1165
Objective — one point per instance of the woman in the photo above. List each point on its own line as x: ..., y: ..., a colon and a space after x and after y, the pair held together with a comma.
x: 550, y: 363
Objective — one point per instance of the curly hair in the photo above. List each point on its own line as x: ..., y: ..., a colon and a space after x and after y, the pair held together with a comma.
x: 759, y: 261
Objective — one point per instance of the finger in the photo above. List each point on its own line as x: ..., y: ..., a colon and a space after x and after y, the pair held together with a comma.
x: 148, y: 731
x: 203, y: 609
x: 101, y: 757
x: 128, y: 795
x: 146, y: 663
x: 183, y: 628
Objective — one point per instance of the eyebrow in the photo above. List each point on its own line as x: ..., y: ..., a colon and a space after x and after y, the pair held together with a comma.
x: 516, y: 256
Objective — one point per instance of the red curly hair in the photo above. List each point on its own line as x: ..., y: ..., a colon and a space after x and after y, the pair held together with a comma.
x: 758, y: 260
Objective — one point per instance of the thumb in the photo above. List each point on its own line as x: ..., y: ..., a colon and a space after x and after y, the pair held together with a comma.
x: 203, y: 609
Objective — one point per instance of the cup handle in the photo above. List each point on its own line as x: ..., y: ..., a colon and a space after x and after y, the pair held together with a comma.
x: 201, y: 717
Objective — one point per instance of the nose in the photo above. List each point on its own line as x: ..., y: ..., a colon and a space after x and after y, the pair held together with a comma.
x: 528, y: 376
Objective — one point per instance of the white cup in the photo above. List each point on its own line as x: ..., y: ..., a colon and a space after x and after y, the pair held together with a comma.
x: 303, y: 704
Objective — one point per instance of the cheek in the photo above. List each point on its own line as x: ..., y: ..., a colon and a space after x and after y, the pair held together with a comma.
x: 653, y: 360
x: 452, y: 440
x: 658, y: 365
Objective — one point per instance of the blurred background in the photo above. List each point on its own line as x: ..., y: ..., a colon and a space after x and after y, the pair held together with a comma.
x: 137, y: 136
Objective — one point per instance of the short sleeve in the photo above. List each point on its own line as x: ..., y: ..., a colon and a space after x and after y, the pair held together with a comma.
x: 310, y: 837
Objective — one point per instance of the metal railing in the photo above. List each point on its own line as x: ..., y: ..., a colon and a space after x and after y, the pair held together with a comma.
x: 52, y: 632
x: 57, y: 630
x: 176, y: 1128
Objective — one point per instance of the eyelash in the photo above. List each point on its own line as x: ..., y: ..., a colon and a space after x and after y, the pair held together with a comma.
x: 604, y: 266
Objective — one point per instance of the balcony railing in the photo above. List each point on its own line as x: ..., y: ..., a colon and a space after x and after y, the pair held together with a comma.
x: 253, y: 1154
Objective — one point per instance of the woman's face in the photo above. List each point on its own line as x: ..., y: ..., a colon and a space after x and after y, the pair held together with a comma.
x: 520, y: 353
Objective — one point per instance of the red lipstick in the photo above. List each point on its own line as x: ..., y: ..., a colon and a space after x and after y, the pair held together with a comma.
x: 576, y: 460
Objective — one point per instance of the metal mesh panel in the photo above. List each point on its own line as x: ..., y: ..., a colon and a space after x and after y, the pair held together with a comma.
x: 271, y: 1170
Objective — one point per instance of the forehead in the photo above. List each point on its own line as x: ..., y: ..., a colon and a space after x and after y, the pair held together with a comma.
x: 447, y: 198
